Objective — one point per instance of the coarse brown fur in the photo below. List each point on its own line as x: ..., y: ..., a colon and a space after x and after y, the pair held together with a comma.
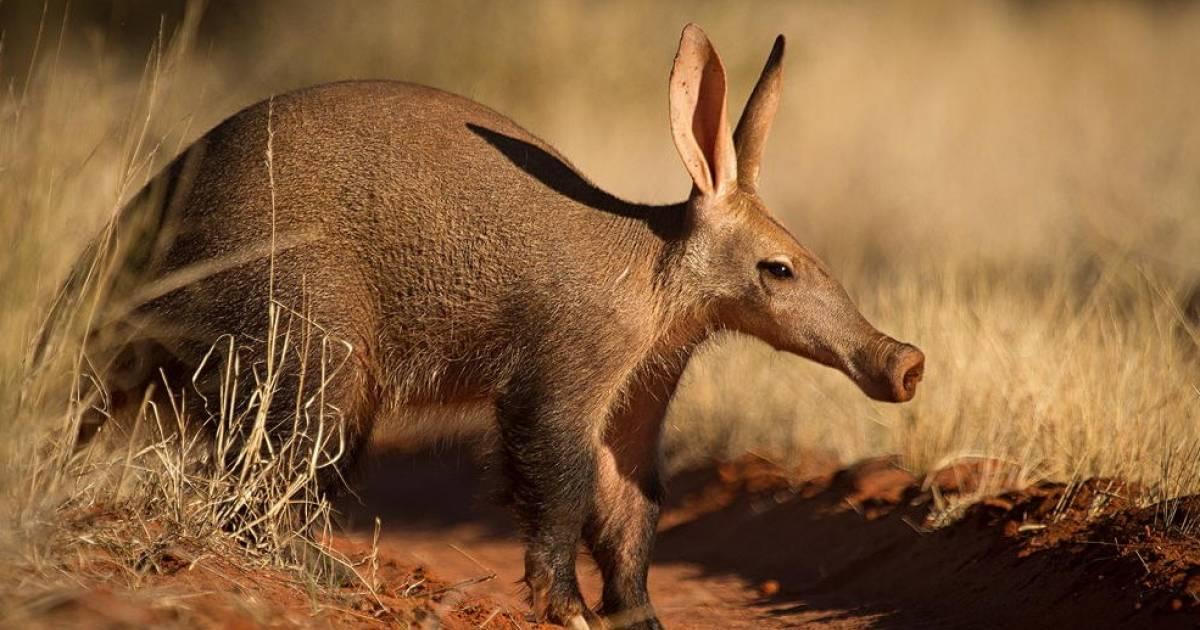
x: 462, y: 263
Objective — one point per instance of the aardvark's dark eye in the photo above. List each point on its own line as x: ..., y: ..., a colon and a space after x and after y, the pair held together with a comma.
x: 776, y: 268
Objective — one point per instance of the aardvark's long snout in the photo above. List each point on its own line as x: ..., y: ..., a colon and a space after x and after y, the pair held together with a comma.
x: 887, y: 369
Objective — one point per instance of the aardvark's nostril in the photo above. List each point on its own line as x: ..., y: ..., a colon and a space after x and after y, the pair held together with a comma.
x: 908, y: 371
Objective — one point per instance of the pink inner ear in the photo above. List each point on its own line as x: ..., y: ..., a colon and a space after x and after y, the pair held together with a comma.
x: 709, y: 115
x: 698, y: 114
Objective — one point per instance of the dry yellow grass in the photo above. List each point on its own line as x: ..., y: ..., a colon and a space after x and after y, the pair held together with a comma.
x: 1013, y: 188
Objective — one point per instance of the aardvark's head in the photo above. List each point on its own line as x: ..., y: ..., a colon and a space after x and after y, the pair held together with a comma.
x: 760, y: 280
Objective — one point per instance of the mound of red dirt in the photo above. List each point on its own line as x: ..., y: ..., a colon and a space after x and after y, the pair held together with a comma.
x: 861, y: 540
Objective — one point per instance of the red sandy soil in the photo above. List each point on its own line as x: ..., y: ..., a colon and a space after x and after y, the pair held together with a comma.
x: 743, y: 545
x: 751, y: 545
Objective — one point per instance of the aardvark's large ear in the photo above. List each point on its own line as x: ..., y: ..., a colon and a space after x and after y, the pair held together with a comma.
x: 699, y: 121
x: 752, y: 129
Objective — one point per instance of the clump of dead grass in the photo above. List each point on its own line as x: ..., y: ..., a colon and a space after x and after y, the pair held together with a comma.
x: 241, y: 481
x: 195, y: 479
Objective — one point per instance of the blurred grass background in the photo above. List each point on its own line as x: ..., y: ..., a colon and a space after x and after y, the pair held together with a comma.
x: 1013, y: 186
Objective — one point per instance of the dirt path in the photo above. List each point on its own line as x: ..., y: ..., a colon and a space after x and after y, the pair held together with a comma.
x: 843, y: 548
x: 437, y: 514
x: 684, y: 596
